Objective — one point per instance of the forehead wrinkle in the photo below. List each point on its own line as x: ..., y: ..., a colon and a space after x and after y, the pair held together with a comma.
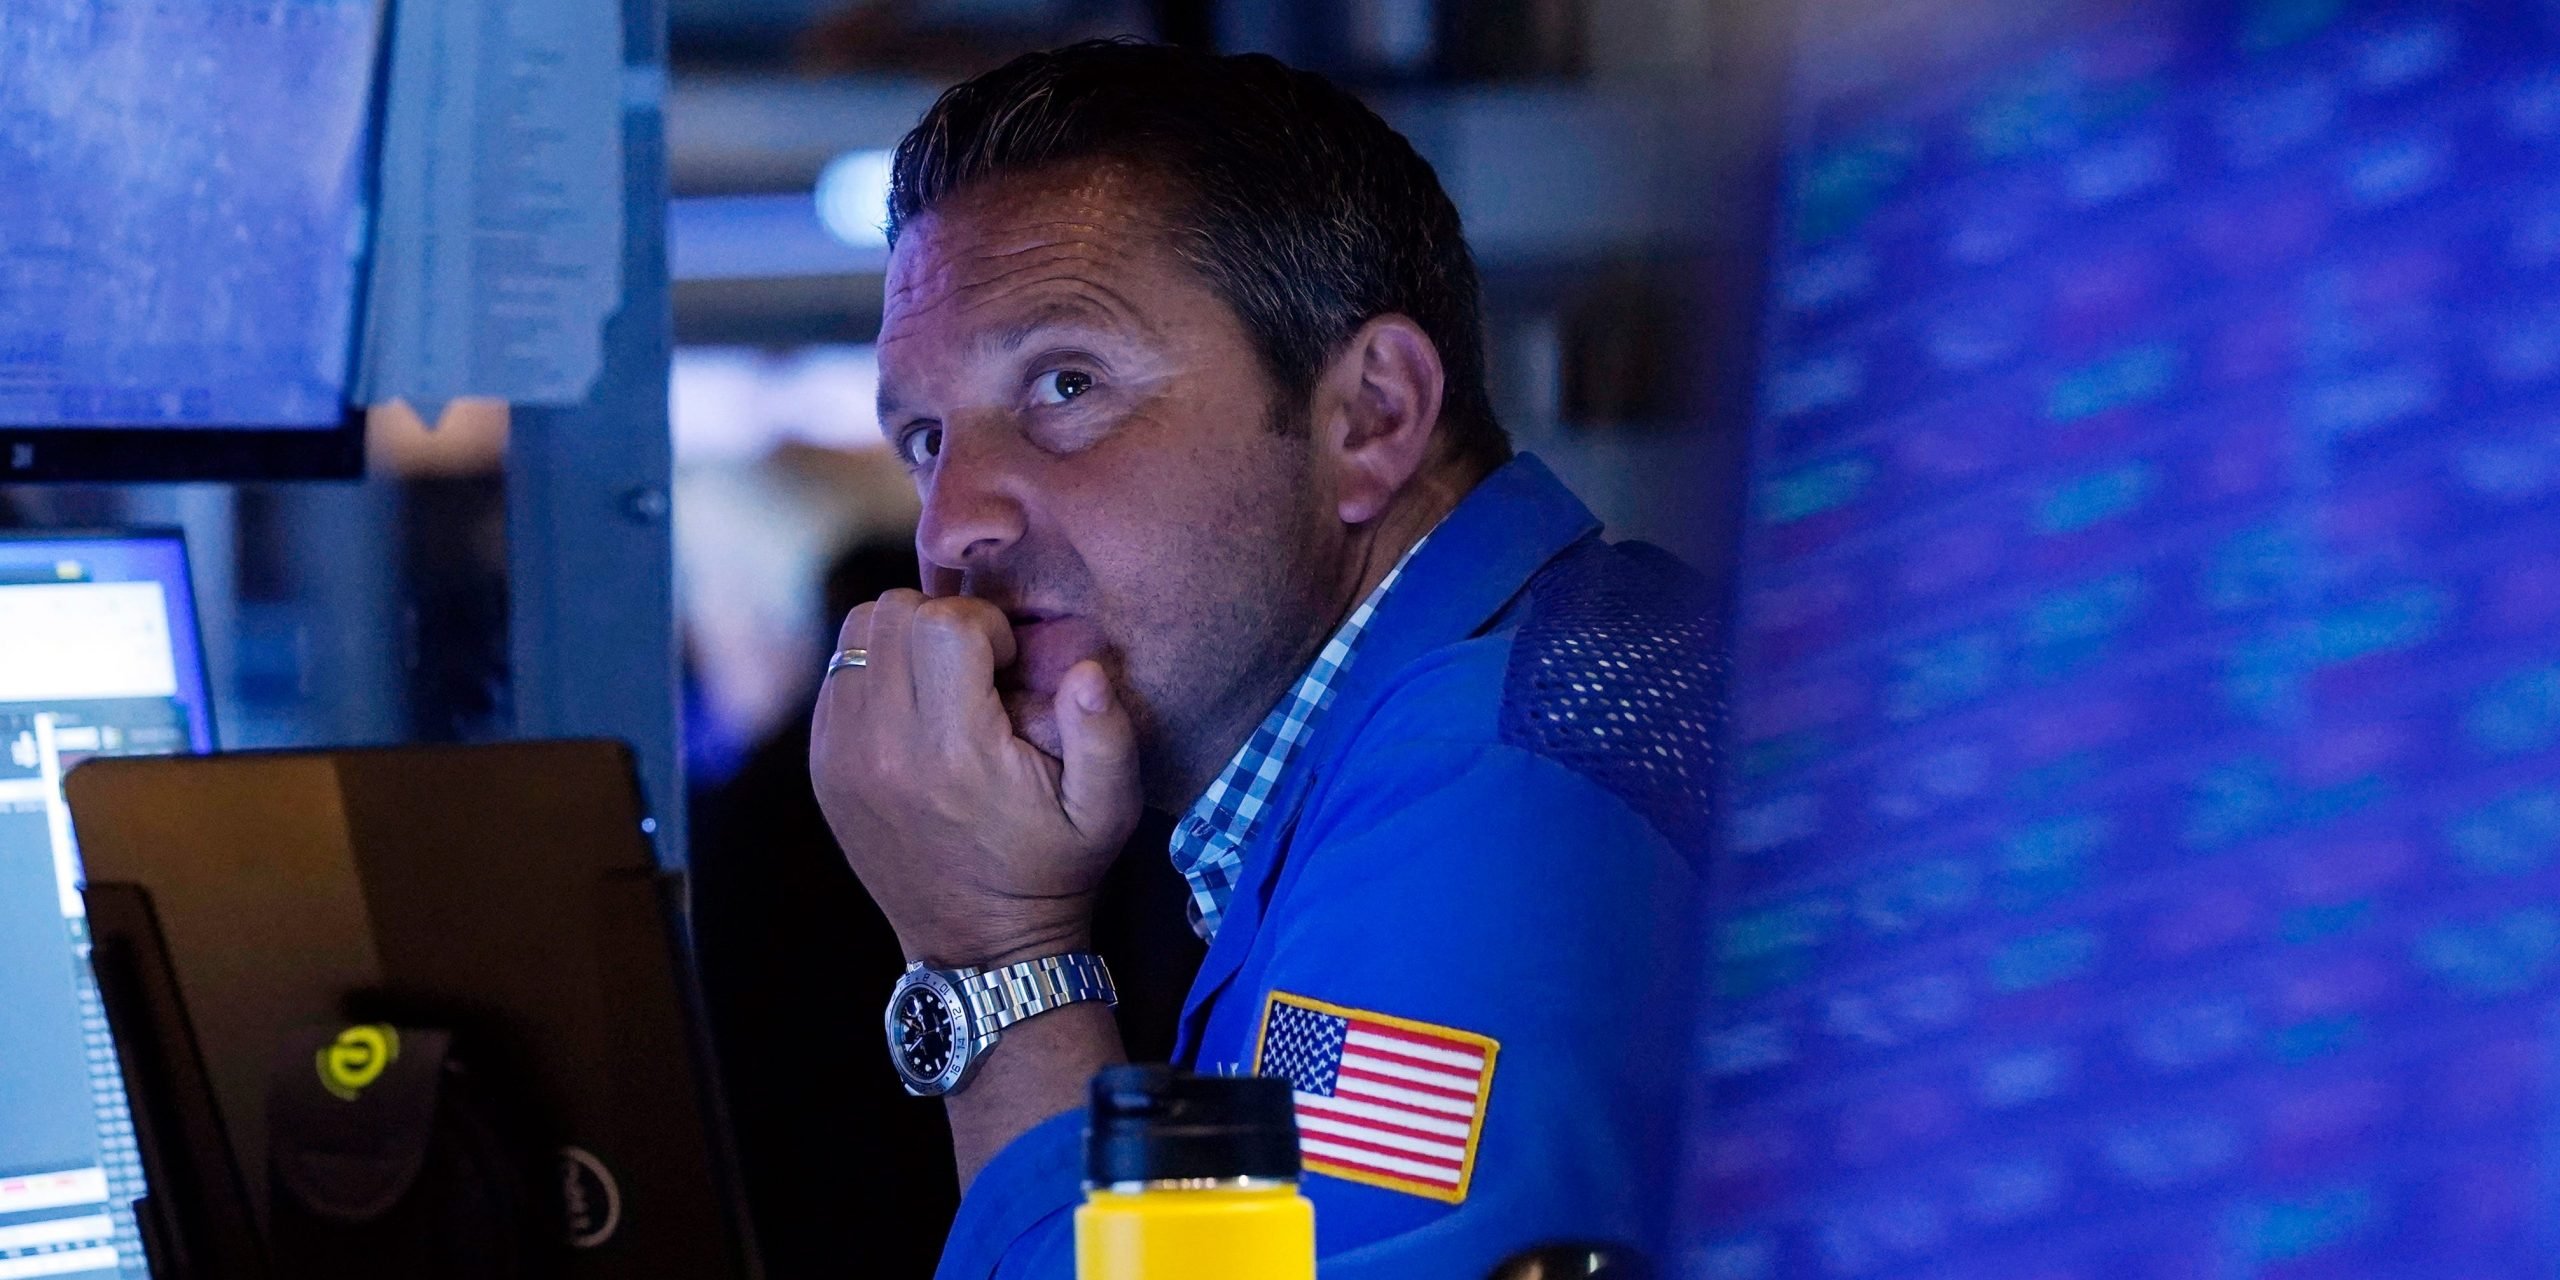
x: 1074, y: 264
x: 1070, y: 295
x: 1052, y: 239
x: 1067, y: 311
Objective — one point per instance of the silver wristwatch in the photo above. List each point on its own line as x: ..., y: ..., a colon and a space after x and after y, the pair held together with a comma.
x: 942, y: 1022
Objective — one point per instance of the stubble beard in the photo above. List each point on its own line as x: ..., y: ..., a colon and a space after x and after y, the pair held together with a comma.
x: 1174, y: 754
x: 1188, y: 729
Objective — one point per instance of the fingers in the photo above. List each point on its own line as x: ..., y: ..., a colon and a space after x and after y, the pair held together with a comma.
x: 884, y: 677
x: 1098, y: 787
x: 925, y: 712
x: 855, y: 633
x: 879, y: 628
x: 954, y: 650
x: 956, y: 644
x: 931, y: 669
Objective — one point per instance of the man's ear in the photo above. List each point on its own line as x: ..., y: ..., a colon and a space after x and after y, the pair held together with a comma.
x: 1381, y: 402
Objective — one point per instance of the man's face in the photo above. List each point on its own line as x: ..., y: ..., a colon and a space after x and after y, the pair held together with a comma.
x: 1089, y: 428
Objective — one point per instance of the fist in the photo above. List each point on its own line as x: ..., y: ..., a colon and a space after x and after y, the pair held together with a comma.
x: 979, y: 847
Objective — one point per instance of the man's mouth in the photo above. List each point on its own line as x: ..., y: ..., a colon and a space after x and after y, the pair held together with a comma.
x: 1045, y: 645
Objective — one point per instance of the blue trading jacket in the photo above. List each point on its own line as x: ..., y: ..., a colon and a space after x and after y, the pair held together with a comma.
x: 1492, y: 836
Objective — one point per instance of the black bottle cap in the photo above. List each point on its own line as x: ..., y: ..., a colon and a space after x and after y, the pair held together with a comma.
x: 1156, y: 1124
x: 1574, y: 1262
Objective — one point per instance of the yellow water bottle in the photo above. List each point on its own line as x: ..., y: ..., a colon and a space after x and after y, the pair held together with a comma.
x: 1192, y: 1177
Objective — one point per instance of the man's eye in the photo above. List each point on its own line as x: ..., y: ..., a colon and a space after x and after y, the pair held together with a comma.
x: 920, y: 446
x: 1060, y: 386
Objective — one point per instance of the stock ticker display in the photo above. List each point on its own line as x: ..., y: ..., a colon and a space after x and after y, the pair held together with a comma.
x: 2143, y: 845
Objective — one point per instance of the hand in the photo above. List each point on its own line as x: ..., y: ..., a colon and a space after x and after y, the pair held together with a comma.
x: 979, y: 847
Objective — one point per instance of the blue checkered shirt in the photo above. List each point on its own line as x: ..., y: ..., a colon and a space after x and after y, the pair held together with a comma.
x: 1208, y: 844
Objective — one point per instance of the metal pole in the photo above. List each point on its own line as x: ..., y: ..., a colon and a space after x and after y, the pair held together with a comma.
x: 590, y: 560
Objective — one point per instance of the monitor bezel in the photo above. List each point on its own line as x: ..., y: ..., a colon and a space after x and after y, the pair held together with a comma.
x: 42, y: 455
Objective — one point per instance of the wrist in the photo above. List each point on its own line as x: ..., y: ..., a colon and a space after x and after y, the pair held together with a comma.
x: 942, y: 1024
x: 990, y: 948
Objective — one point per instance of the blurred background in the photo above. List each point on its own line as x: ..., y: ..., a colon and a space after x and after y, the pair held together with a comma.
x: 2140, y: 823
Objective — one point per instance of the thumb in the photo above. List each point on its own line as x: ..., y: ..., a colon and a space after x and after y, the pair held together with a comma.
x: 1098, y: 786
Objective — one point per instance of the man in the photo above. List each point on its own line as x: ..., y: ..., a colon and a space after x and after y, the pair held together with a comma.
x: 1185, y: 356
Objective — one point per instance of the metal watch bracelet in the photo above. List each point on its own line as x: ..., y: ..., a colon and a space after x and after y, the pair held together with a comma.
x: 1007, y: 994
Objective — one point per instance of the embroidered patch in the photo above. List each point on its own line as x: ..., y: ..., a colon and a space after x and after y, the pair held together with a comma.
x: 1389, y: 1102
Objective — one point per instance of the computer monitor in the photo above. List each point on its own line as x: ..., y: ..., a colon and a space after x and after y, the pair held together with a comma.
x: 182, y: 236
x: 99, y: 655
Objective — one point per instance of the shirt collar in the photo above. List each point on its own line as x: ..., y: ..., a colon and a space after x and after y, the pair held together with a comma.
x: 1208, y: 843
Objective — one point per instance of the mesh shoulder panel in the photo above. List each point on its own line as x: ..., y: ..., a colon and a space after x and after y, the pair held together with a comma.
x: 1616, y: 673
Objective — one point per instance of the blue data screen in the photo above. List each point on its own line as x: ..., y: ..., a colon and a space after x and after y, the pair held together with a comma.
x: 98, y: 657
x: 2143, y: 842
x: 182, y: 210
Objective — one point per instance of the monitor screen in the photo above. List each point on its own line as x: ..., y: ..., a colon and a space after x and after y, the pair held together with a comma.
x: 182, y: 235
x: 98, y: 656
x: 2142, y: 838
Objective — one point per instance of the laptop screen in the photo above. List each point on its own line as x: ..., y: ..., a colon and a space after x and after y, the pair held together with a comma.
x: 99, y: 655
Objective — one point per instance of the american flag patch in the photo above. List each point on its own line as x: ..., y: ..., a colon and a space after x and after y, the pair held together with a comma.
x: 1384, y: 1101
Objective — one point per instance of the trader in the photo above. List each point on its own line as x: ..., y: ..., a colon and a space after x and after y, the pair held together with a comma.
x: 1185, y: 356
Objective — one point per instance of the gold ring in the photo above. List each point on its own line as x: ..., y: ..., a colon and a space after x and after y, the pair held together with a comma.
x: 848, y: 658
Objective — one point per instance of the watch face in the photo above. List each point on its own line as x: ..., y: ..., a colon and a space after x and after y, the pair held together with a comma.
x: 926, y: 1033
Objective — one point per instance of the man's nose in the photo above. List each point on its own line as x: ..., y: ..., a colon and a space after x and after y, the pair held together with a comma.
x: 971, y: 510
